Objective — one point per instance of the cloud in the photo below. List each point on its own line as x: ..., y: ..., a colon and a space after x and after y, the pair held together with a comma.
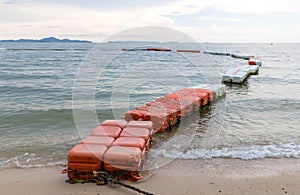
x: 257, y: 6
x: 50, y: 26
x: 73, y: 19
x: 219, y: 18
x: 184, y: 7
x: 219, y: 29
x: 99, y: 20
x: 11, y: 2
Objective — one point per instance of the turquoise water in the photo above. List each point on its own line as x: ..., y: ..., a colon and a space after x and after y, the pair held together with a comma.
x: 259, y: 119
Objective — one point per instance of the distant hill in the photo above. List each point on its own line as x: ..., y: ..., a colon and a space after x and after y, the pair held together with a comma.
x: 47, y: 40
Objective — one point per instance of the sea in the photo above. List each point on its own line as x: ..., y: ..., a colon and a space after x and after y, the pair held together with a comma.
x: 52, y: 95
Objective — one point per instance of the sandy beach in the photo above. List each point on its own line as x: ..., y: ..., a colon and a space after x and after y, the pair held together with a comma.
x: 212, y: 176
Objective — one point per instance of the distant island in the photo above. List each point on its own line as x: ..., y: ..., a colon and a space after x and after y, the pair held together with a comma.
x: 47, y: 40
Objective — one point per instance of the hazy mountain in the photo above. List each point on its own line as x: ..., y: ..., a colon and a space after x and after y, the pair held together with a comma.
x: 47, y: 40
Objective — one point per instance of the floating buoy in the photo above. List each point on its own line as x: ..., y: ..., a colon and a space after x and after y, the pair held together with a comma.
x: 158, y: 49
x: 131, y: 142
x: 118, y: 148
x: 115, y: 123
x: 134, y: 49
x: 83, y: 159
x: 238, y: 75
x: 188, y: 50
x: 101, y: 140
x: 217, y: 53
x: 123, y: 162
x: 255, y: 61
x: 108, y: 131
x: 242, y: 56
x: 147, y: 49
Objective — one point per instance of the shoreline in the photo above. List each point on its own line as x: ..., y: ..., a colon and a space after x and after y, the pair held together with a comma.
x: 201, y: 176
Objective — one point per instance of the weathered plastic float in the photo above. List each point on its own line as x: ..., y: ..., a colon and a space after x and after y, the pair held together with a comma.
x: 240, y: 74
x: 242, y: 56
x: 255, y: 61
x: 116, y: 149
x: 188, y: 50
x: 217, y: 53
x: 147, y: 49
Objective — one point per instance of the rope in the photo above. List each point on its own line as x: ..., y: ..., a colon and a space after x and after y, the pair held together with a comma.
x: 116, y: 181
x: 102, y: 179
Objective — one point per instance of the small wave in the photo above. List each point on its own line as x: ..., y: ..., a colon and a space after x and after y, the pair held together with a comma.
x: 49, y: 164
x: 288, y: 150
x: 29, y: 160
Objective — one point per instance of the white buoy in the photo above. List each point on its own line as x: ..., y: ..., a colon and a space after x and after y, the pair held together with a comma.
x: 238, y: 75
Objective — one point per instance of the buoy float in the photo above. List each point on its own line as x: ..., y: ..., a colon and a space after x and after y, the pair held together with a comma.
x: 255, y: 61
x: 217, y: 53
x: 188, y: 50
x: 242, y: 56
x: 119, y: 147
x: 158, y: 49
x: 147, y: 49
x: 238, y: 75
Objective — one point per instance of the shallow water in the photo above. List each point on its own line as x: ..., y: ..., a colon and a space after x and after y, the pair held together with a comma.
x: 259, y: 119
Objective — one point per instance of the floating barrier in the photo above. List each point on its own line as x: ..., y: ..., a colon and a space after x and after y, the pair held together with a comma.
x: 251, y: 59
x: 242, y: 56
x: 115, y: 146
x: 217, y: 53
x: 188, y: 50
x: 158, y: 49
x: 119, y: 147
x: 147, y: 49
x: 239, y: 75
x: 134, y: 49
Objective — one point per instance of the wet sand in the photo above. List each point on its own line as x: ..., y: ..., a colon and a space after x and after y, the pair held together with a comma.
x: 212, y: 176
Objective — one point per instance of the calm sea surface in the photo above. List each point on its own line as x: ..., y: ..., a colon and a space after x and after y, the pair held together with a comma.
x: 53, y: 95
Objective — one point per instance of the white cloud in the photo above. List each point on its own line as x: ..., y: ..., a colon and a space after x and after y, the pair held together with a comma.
x: 219, y: 29
x: 219, y: 18
x: 183, y: 7
x: 77, y: 20
x: 36, y: 20
x: 257, y: 6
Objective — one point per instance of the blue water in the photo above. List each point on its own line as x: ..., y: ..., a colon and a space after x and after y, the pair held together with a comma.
x: 44, y: 86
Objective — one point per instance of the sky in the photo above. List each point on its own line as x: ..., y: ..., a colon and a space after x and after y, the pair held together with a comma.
x: 203, y: 20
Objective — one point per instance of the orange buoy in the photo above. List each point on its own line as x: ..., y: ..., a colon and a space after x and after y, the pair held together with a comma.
x: 117, y: 123
x: 83, y: 159
x: 254, y: 61
x: 188, y: 50
x: 158, y: 49
x: 108, y: 131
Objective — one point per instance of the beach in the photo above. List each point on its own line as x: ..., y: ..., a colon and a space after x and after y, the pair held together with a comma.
x: 201, y: 176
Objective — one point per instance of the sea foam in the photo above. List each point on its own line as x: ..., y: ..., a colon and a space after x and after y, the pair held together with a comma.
x: 288, y: 150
